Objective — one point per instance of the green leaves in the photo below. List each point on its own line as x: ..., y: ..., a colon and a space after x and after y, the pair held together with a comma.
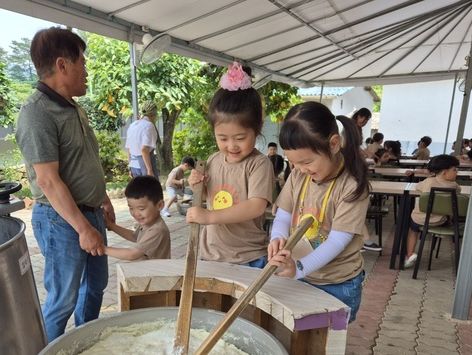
x: 278, y: 98
x: 7, y: 108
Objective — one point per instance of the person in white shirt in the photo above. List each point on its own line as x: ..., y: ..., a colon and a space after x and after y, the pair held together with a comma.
x: 141, y: 140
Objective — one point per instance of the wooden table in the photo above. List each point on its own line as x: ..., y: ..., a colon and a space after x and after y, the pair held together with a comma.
x: 300, y: 316
x: 400, y: 189
x: 413, y: 162
x: 401, y: 172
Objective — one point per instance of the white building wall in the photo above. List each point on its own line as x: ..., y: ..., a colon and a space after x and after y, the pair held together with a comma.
x: 410, y: 111
x: 352, y: 101
x: 270, y: 133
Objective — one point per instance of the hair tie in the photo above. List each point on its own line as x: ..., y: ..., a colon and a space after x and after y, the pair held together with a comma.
x: 235, y: 78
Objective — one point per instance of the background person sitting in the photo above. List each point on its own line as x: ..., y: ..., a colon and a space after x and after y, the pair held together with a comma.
x: 423, y: 152
x: 444, y: 168
x: 372, y: 148
x: 381, y: 157
x: 394, y: 149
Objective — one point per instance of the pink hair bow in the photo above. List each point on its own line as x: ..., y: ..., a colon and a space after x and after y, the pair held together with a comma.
x: 235, y: 78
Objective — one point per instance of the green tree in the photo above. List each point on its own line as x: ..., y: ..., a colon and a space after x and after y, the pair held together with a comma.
x: 378, y: 90
x: 20, y: 65
x: 180, y: 87
x: 3, y: 55
x: 174, y: 83
x: 6, y: 100
x: 278, y: 98
x: 109, y: 82
x: 195, y: 139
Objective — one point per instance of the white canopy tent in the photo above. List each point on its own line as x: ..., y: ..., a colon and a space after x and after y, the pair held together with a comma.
x: 301, y: 42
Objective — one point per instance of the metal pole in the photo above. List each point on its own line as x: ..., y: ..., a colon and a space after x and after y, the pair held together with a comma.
x: 463, y: 291
x: 465, y: 106
x: 450, y: 112
x: 134, y: 85
x: 322, y: 88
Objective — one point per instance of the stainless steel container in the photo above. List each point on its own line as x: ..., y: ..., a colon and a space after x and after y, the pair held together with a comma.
x: 21, y: 322
x: 243, y: 334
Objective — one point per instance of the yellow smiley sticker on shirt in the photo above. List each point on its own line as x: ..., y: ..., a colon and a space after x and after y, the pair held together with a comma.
x: 222, y: 200
x: 313, y: 231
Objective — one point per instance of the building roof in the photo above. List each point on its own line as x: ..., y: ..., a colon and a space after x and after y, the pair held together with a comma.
x: 327, y: 91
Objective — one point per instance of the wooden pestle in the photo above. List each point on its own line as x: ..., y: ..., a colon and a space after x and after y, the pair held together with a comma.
x: 184, y: 317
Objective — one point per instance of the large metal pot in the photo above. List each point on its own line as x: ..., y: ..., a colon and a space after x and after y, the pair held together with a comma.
x: 243, y: 334
x: 21, y: 322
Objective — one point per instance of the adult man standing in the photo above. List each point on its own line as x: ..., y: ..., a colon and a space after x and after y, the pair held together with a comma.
x: 141, y: 140
x: 277, y: 163
x: 67, y: 182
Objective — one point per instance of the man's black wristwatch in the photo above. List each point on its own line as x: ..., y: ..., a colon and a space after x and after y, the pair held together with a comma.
x: 299, y: 265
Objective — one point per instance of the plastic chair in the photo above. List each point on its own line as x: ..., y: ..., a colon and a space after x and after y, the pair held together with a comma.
x: 445, y: 202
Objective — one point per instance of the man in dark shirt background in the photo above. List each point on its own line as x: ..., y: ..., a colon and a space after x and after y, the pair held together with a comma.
x: 277, y: 162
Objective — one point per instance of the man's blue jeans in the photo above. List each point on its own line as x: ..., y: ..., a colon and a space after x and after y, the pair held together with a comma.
x: 74, y: 280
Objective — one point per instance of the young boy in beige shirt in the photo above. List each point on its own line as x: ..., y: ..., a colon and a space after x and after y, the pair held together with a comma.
x: 152, y: 237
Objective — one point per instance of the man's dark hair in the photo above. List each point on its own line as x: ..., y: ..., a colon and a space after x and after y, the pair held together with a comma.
x: 145, y: 186
x: 189, y: 161
x: 272, y: 144
x: 51, y: 43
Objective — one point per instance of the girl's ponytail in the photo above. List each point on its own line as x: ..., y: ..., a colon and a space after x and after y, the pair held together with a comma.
x: 354, y: 162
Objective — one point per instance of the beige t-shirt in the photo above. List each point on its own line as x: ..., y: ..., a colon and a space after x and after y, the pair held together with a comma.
x: 340, y: 215
x: 227, y: 185
x: 154, y: 240
x: 425, y: 186
x: 373, y: 148
x: 422, y: 154
x: 176, y: 174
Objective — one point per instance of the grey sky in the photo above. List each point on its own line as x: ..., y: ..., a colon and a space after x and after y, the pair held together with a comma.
x: 14, y: 26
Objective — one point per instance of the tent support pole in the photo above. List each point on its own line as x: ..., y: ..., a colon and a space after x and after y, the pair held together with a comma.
x: 450, y: 113
x: 322, y: 89
x: 134, y: 85
x: 463, y: 291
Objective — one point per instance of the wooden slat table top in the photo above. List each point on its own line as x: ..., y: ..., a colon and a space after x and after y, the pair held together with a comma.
x: 417, y: 172
x: 392, y: 171
x: 465, y: 190
x: 388, y: 187
x: 284, y: 299
x: 412, y: 162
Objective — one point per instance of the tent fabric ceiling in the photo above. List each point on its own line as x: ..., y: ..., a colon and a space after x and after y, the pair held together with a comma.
x: 303, y: 42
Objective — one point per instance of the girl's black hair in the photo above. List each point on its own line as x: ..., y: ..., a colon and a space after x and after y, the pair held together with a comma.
x: 145, y: 186
x: 395, y: 148
x: 242, y: 106
x: 442, y: 162
x: 310, y: 125
x: 377, y: 137
x: 363, y: 112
